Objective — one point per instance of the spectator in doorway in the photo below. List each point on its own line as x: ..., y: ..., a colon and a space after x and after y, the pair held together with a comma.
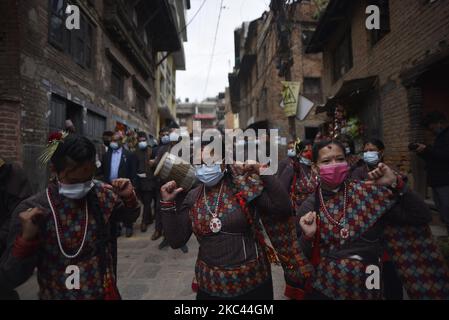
x: 69, y: 126
x: 436, y: 157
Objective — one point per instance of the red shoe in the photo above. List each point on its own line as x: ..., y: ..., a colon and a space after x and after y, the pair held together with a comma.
x: 195, y: 285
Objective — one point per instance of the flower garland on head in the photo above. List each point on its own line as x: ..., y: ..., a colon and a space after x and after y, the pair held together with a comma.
x: 299, y: 147
x: 54, y: 139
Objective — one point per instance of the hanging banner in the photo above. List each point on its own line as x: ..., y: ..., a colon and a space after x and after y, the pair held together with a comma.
x: 304, y: 108
x: 290, y: 95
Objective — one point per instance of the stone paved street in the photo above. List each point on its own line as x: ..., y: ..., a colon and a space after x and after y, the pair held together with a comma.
x: 145, y: 272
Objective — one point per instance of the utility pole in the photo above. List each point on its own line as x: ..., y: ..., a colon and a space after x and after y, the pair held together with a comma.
x: 285, y: 59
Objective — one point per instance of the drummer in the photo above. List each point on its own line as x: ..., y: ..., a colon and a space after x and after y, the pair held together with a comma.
x: 168, y: 137
x: 233, y: 259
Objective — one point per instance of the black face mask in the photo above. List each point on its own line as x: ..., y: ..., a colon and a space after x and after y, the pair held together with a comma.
x: 107, y: 143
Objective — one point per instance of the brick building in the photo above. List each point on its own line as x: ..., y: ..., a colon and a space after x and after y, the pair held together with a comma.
x: 255, y: 84
x: 231, y: 119
x: 210, y: 112
x: 387, y: 78
x: 101, y: 76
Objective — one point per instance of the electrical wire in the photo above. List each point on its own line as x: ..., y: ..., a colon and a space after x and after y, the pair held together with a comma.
x: 213, y: 48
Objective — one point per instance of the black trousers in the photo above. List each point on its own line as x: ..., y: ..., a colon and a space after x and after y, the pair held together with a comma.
x: 263, y: 292
x: 147, y: 198
x: 391, y: 282
x: 441, y: 198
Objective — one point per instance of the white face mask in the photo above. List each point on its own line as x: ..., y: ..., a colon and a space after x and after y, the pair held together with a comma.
x: 371, y: 158
x: 165, y: 139
x: 114, y: 146
x: 143, y: 145
x: 209, y: 175
x: 305, y: 161
x: 291, y: 153
x: 75, y: 191
x: 174, y: 137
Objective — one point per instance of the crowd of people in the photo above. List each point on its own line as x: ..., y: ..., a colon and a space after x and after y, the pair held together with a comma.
x: 329, y: 214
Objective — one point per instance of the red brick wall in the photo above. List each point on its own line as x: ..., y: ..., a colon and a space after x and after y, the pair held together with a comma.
x: 10, y: 131
x: 305, y: 65
x: 9, y: 82
x: 418, y: 29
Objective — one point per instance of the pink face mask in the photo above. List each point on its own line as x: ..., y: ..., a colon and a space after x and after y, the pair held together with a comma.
x: 333, y: 175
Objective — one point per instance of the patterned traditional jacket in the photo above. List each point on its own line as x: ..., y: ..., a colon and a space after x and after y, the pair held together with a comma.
x: 299, y: 180
x: 377, y: 219
x: 232, y: 262
x: 97, y: 260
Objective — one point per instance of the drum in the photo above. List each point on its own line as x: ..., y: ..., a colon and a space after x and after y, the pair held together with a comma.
x: 174, y: 168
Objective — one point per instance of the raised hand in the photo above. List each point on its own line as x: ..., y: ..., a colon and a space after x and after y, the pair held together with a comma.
x: 29, y: 220
x: 308, y: 224
x: 169, y: 191
x: 383, y: 175
x: 123, y: 187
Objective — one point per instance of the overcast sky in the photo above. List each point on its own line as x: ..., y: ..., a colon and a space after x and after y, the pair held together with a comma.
x: 192, y: 82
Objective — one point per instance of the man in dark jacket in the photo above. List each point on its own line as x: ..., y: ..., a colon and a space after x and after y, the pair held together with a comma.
x: 437, y: 161
x: 147, y: 183
x: 169, y: 137
x: 119, y: 163
x: 14, y: 188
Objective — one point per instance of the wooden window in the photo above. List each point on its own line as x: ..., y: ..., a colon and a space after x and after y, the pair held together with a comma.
x: 117, y: 82
x: 141, y: 103
x: 56, y: 23
x: 57, y: 114
x: 96, y: 125
x: 378, y: 34
x: 342, y: 56
x: 306, y: 37
x: 312, y: 89
x: 77, y: 43
x: 312, y: 86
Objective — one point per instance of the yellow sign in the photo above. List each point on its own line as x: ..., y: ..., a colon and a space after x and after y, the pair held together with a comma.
x: 290, y: 95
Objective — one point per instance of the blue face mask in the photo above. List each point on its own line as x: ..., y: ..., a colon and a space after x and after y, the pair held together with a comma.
x: 371, y: 158
x: 143, y: 145
x: 209, y: 175
x: 75, y: 191
x: 165, y: 139
x: 114, y: 146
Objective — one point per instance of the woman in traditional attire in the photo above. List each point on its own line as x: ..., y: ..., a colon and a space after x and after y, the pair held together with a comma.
x: 67, y: 231
x: 300, y: 181
x: 344, y: 232
x: 223, y: 212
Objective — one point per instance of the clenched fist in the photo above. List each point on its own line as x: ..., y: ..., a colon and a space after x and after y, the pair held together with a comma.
x: 29, y: 220
x: 169, y: 191
x: 308, y: 224
x: 123, y: 187
x: 383, y: 175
